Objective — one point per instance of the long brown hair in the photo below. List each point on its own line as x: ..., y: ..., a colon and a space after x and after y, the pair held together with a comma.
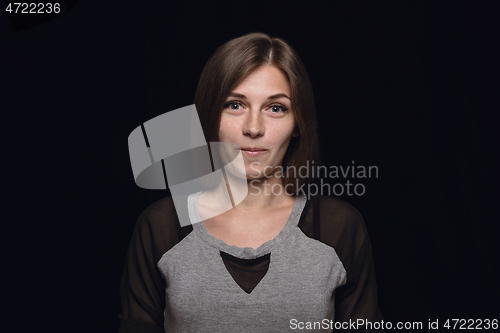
x: 235, y: 60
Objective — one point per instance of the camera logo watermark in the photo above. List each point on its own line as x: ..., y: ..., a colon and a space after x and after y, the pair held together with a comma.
x: 171, y: 149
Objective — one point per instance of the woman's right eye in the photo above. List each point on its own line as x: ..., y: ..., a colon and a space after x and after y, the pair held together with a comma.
x: 233, y: 105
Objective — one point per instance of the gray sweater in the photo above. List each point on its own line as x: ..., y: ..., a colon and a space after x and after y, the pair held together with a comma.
x: 317, y: 271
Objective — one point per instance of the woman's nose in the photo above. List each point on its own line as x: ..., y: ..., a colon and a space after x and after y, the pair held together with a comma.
x: 254, y: 126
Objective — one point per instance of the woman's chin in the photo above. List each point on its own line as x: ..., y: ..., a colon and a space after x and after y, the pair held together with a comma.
x: 256, y: 177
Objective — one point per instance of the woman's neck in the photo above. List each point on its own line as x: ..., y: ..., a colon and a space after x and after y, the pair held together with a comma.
x: 260, y: 194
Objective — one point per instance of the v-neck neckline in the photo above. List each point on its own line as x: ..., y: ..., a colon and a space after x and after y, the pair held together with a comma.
x: 244, y: 252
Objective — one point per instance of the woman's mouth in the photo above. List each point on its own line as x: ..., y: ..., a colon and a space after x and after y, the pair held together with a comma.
x: 253, y: 152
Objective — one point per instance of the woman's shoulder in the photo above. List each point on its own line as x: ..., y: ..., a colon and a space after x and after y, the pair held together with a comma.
x: 160, y: 216
x: 339, y: 218
x: 338, y: 209
x: 159, y: 209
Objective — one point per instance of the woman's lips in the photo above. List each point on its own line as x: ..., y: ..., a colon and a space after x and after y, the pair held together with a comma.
x: 253, y: 152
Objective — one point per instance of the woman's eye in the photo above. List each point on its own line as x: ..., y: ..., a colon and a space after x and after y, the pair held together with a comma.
x: 233, y: 105
x: 277, y: 108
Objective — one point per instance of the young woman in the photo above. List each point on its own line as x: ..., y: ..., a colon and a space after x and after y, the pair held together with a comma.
x: 274, y: 262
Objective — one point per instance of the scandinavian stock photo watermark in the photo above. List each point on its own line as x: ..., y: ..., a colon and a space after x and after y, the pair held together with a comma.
x: 353, y: 172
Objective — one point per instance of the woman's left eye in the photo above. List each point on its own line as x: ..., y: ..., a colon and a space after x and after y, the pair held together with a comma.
x: 277, y: 108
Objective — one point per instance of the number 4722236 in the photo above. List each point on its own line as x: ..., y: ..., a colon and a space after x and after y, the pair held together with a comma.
x: 478, y: 324
x: 33, y: 8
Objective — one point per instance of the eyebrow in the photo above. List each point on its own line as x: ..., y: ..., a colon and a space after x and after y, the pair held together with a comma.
x: 276, y: 96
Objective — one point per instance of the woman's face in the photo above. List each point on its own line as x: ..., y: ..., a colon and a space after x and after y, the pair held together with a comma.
x: 258, y: 117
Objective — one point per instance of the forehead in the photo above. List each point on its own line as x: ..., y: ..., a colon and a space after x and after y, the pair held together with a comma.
x: 267, y: 80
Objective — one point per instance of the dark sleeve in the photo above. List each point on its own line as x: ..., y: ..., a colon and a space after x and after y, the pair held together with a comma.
x: 342, y: 227
x: 142, y: 288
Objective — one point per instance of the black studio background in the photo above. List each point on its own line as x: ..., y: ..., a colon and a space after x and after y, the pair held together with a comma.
x: 408, y: 86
